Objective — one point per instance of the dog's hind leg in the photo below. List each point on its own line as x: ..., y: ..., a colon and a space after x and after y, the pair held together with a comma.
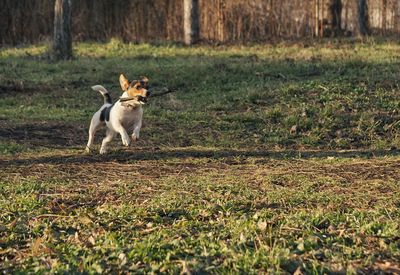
x: 94, y: 126
x: 109, y: 136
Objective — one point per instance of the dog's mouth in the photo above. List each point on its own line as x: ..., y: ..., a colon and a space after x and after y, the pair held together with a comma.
x: 138, y: 99
x: 142, y: 99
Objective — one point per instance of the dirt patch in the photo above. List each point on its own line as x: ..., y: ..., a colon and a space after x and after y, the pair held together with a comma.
x: 45, y: 134
x: 152, y: 163
x: 95, y: 169
x: 89, y: 181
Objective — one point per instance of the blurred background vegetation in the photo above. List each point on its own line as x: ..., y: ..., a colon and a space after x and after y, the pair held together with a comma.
x: 227, y: 21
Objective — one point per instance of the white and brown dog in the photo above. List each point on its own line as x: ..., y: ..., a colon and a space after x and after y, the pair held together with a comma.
x: 122, y: 116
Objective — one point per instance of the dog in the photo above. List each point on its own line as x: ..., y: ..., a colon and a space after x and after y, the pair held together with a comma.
x: 122, y: 116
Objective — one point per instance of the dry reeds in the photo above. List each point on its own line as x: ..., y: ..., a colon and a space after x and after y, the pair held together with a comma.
x: 29, y: 21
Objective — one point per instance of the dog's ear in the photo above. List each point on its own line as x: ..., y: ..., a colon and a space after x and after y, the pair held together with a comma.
x: 123, y: 82
x: 144, y: 79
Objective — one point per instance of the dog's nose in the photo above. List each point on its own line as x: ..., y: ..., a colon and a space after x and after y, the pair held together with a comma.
x: 148, y: 93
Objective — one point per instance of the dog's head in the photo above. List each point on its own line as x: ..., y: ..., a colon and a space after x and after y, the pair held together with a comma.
x: 136, y: 88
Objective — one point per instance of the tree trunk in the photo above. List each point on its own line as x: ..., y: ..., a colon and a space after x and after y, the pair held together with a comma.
x: 384, y: 17
x: 191, y: 21
x: 62, y: 39
x: 396, y: 17
x: 321, y: 27
x: 363, y: 22
x: 220, y: 20
x: 336, y: 15
x: 317, y: 19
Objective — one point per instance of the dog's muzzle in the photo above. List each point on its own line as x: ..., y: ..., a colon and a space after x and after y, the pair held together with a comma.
x: 143, y: 99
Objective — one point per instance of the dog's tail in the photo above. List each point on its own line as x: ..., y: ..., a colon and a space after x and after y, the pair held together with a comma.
x: 104, y: 93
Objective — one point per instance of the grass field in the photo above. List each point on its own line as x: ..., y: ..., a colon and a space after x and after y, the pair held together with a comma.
x: 275, y: 159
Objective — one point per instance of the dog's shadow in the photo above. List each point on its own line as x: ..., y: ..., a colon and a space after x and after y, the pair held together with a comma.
x: 154, y: 154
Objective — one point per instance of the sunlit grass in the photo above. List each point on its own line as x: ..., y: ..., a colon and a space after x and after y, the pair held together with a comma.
x: 330, y: 50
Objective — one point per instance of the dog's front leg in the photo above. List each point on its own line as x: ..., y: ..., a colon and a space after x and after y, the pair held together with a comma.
x: 124, y: 135
x: 136, y: 131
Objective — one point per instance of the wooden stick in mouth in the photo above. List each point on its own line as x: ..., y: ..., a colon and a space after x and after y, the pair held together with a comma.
x: 162, y: 92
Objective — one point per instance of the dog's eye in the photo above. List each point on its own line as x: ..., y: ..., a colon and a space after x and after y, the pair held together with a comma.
x: 138, y: 87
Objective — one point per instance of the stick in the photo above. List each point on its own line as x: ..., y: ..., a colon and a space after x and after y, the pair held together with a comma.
x: 161, y: 93
x: 123, y: 99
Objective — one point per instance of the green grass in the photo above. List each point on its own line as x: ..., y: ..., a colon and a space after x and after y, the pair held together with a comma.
x: 267, y: 159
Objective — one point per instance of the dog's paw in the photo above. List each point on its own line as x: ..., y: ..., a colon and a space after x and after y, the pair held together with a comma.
x: 126, y: 142
x: 87, y: 150
x: 103, y: 151
x: 134, y: 138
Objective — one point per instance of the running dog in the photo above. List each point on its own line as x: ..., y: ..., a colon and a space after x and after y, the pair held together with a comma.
x: 122, y: 116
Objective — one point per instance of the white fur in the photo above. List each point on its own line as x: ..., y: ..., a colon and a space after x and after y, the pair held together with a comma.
x: 123, y: 119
